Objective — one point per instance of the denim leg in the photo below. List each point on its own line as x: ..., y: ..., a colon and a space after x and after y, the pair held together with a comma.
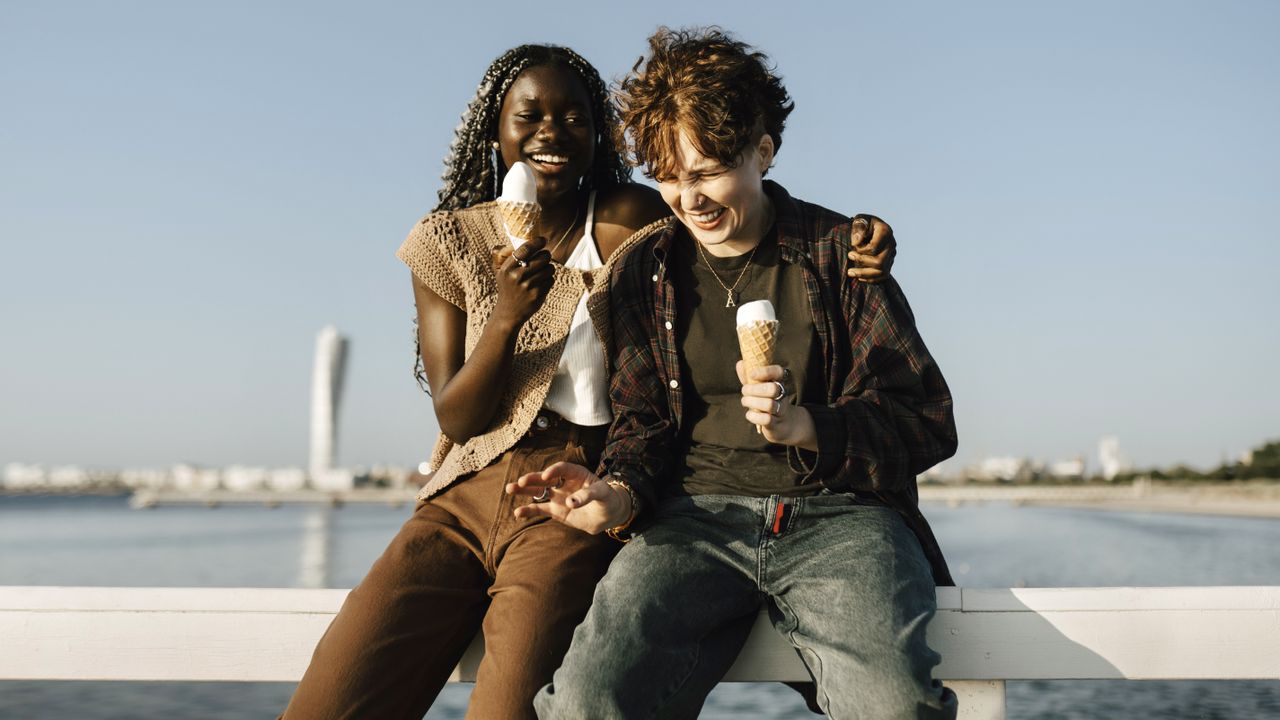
x: 851, y: 589
x: 668, y: 618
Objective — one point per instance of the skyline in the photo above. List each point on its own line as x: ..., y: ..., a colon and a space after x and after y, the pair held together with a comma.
x: 1082, y: 197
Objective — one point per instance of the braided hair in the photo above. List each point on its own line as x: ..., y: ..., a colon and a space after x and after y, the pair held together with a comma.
x: 471, y: 175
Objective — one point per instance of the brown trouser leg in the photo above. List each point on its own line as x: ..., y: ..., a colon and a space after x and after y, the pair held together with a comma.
x: 461, y: 560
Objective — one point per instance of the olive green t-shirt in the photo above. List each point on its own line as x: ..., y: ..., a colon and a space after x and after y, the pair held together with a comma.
x: 721, y: 451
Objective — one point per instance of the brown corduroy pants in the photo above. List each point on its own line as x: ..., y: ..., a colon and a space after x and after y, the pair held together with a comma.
x: 463, y: 562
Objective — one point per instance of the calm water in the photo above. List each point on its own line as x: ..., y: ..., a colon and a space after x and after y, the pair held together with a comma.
x: 100, y: 541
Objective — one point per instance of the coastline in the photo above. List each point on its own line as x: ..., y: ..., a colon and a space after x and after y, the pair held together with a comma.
x: 1254, y: 498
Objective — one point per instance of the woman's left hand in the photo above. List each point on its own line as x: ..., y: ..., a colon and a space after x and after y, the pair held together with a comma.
x: 874, y: 248
x: 769, y: 408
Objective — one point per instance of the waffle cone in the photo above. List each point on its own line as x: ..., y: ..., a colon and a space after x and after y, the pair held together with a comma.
x: 756, y: 340
x: 520, y: 218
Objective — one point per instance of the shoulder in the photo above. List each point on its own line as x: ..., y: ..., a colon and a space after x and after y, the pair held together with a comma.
x: 823, y: 234
x: 458, y: 229
x: 635, y: 264
x: 624, y: 209
x: 636, y: 253
x: 629, y: 205
x: 822, y: 224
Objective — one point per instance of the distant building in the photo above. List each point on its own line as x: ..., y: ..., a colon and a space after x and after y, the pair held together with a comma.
x: 326, y: 396
x: 145, y: 478
x: 242, y: 478
x: 192, y: 478
x: 1003, y: 469
x: 1109, y: 457
x: 1067, y: 469
x: 21, y: 475
x: 287, y: 479
x: 68, y: 476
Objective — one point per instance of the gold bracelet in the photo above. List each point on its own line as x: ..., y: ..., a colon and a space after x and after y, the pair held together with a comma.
x: 615, y: 532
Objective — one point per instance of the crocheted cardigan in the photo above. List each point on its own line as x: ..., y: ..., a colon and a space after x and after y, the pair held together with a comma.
x: 451, y: 253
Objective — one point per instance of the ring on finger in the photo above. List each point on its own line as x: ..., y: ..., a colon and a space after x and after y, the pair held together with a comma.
x: 782, y: 390
x: 543, y: 496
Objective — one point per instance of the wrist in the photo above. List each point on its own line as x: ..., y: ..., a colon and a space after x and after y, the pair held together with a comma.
x: 627, y: 507
x: 806, y: 433
x: 506, y: 321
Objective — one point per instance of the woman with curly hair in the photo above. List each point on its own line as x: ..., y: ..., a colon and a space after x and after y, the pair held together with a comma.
x: 512, y: 346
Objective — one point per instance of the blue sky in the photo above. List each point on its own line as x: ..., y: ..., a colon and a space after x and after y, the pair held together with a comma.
x: 1083, y: 195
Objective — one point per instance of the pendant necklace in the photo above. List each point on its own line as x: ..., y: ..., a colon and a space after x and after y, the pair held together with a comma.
x: 730, y: 291
x: 576, y: 211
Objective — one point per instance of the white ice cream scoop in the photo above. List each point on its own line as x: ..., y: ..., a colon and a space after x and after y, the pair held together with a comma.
x: 755, y: 311
x: 519, y: 185
x: 518, y: 204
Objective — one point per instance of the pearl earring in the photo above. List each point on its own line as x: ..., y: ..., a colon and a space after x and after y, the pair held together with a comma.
x: 496, y: 146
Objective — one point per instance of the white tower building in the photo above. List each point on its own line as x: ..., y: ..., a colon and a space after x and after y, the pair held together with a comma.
x: 326, y: 395
x: 1109, y: 457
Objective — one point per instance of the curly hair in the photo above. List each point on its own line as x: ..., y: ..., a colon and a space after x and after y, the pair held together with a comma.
x: 472, y: 173
x: 704, y: 83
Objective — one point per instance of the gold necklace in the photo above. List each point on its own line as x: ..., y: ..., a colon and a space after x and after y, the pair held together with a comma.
x: 576, y: 211
x: 731, y: 296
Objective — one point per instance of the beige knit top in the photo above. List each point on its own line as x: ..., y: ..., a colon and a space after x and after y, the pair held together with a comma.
x: 451, y: 252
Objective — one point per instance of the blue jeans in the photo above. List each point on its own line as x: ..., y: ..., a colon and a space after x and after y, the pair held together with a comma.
x: 845, y: 582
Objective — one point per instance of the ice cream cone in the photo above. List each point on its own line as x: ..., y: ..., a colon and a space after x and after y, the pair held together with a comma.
x: 756, y: 340
x: 520, y: 218
x: 518, y: 204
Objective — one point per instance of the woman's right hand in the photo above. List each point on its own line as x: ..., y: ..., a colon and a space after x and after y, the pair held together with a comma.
x: 573, y: 495
x: 522, y: 288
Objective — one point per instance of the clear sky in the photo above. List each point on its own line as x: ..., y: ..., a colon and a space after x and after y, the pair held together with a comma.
x: 1084, y: 195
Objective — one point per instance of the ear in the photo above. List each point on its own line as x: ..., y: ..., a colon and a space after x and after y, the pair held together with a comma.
x: 764, y: 151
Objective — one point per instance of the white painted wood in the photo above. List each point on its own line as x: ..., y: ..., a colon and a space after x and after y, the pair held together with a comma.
x: 985, y: 636
x: 979, y: 699
x: 1121, y: 599
x: 188, y: 599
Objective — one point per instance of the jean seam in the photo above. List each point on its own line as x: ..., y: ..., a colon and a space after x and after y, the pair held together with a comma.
x: 517, y: 456
x: 814, y: 664
x: 657, y: 708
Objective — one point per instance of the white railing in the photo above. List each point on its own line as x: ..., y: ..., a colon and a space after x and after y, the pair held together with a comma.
x: 986, y: 636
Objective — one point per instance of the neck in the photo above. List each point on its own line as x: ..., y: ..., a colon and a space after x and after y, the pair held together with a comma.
x: 557, y: 214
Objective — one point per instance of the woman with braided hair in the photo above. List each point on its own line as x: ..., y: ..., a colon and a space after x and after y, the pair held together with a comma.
x: 512, y: 344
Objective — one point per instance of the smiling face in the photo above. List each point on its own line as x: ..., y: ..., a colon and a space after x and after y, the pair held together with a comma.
x: 546, y: 122
x: 725, y: 209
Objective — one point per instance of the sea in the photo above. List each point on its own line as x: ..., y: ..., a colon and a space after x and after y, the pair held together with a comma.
x: 101, y: 541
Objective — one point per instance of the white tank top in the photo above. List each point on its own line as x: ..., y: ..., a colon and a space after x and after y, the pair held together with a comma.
x: 580, y: 388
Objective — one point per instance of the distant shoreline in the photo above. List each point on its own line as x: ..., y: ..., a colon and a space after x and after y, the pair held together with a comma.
x: 1253, y: 498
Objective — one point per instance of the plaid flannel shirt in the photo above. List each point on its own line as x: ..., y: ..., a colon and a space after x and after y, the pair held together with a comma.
x: 888, y: 411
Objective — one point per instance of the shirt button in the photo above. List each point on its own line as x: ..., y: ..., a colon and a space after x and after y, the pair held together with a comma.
x: 542, y: 422
x: 674, y: 384
x: 655, y: 277
x: 667, y: 324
